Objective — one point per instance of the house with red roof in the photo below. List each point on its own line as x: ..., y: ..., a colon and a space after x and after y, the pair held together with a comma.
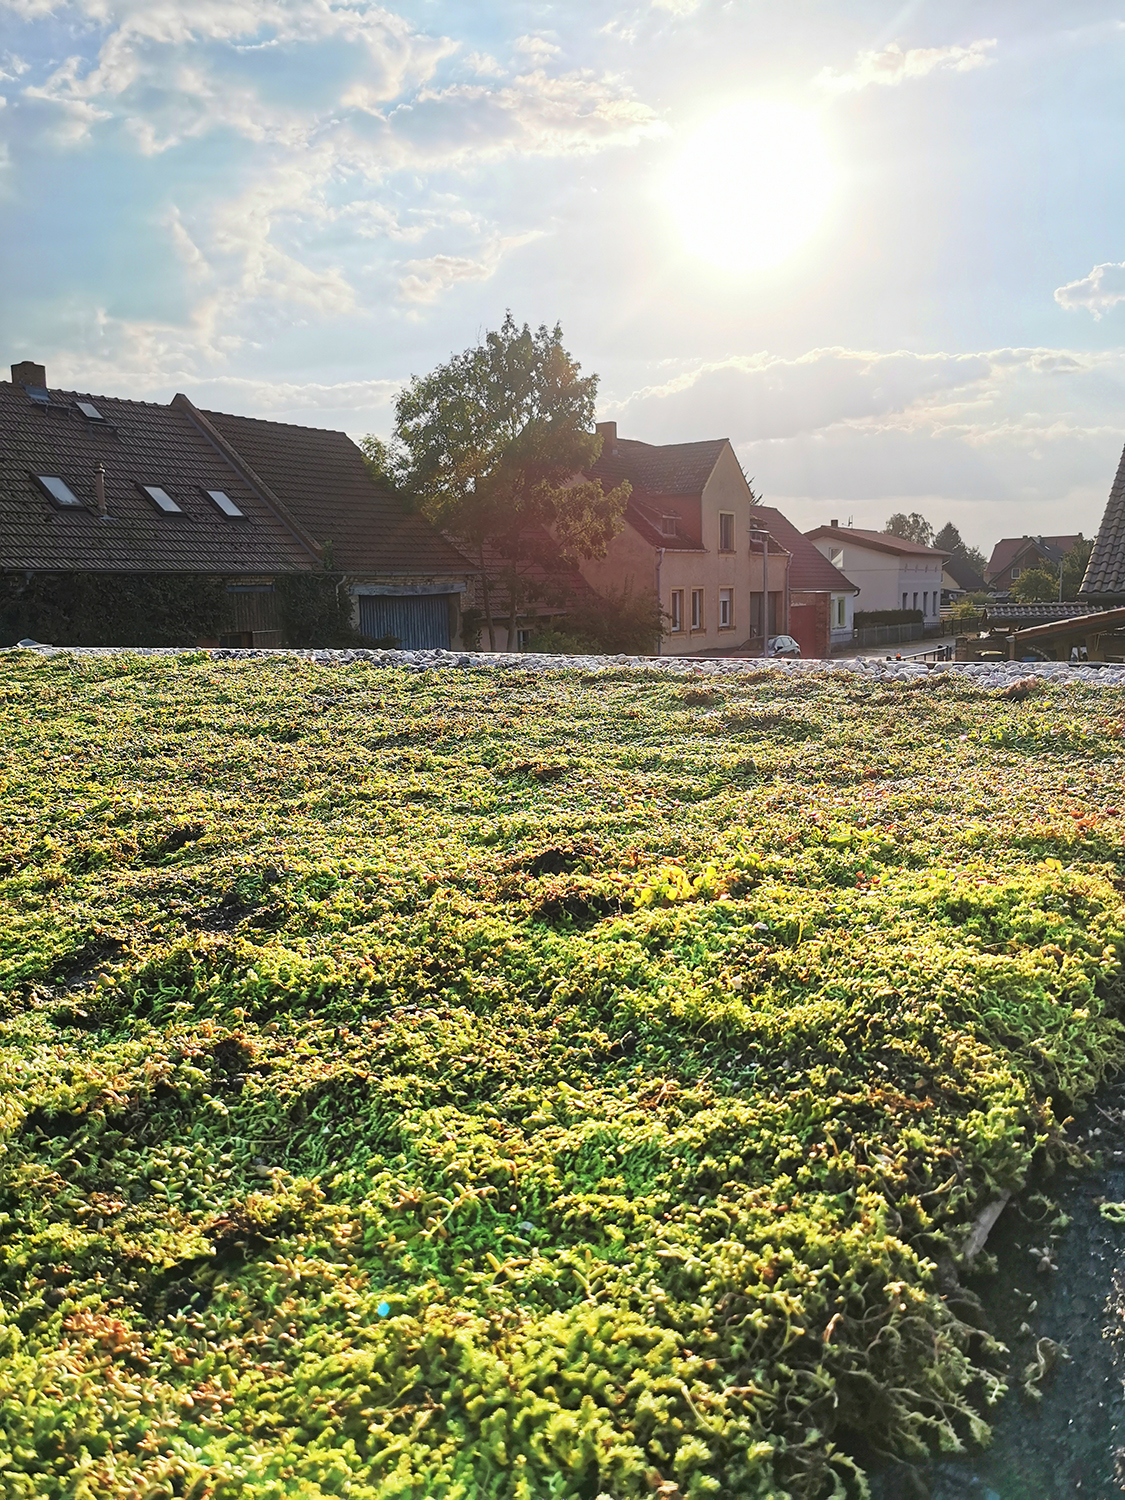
x: 890, y: 573
x: 729, y: 573
x: 1013, y: 556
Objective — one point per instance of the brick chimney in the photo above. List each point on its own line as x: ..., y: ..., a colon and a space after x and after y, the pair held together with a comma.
x: 608, y: 434
x: 27, y: 372
x: 834, y: 523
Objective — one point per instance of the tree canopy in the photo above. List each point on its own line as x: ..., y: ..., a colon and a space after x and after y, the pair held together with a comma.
x: 910, y: 528
x: 492, y: 446
x: 950, y: 540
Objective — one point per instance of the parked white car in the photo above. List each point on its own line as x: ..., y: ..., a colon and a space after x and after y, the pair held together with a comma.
x: 782, y: 645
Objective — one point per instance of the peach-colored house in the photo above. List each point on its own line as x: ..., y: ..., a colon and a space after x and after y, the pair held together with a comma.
x: 689, y: 534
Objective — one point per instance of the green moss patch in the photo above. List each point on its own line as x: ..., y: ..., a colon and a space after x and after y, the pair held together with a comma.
x: 462, y: 1084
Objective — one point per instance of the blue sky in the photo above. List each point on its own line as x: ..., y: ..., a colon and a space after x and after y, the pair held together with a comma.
x: 286, y: 207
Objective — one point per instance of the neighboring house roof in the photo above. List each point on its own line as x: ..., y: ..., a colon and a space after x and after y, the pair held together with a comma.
x: 663, y: 469
x: 660, y: 474
x: 810, y: 572
x: 878, y: 541
x: 321, y: 478
x: 1105, y: 572
x: 137, y: 442
x: 1007, y: 550
x: 964, y: 575
x: 1033, y: 614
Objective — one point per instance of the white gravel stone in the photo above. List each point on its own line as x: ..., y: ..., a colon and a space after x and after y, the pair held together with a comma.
x: 987, y: 676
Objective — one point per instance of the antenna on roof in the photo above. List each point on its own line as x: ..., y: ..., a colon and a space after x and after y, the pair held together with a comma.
x: 851, y: 522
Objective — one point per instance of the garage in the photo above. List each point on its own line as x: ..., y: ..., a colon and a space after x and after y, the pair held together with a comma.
x: 418, y: 622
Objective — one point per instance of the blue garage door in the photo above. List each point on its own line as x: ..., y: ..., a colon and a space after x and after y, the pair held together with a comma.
x: 419, y: 622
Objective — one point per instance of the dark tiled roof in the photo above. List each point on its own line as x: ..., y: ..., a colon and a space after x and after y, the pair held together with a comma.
x: 1034, y: 614
x: 964, y: 575
x: 322, y: 480
x: 881, y: 541
x: 1008, y: 549
x: 140, y: 443
x: 659, y: 469
x: 652, y: 533
x: 1105, y: 572
x: 810, y: 572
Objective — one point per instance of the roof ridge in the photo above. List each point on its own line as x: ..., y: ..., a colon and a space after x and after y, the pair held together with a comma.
x: 235, y: 459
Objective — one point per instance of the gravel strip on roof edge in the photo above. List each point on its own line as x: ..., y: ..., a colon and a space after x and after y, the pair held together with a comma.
x: 985, y: 674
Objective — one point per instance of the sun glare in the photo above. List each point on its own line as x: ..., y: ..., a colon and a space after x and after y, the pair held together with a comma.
x: 752, y: 185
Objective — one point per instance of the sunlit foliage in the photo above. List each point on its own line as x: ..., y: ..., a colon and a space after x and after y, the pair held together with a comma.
x: 493, y: 1084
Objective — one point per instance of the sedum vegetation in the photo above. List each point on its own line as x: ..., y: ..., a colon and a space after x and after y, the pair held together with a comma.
x: 478, y: 1084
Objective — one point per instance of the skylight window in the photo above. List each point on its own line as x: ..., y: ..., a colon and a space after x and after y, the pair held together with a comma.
x: 225, y: 504
x: 89, y: 411
x: 39, y: 394
x: 162, y: 500
x: 59, y: 491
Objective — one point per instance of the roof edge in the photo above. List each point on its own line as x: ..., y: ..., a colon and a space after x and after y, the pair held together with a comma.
x: 237, y: 462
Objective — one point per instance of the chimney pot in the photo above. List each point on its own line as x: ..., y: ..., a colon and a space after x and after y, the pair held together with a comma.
x: 27, y: 372
x: 834, y: 523
x: 99, y: 489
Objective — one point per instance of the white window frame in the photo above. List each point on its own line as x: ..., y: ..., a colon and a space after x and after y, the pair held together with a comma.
x: 669, y: 525
x: 676, y: 613
x: 727, y: 517
x: 698, y: 610
x: 726, y: 609
x: 840, y: 611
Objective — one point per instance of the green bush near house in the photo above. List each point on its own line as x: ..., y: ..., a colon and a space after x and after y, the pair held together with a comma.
x: 507, y: 1085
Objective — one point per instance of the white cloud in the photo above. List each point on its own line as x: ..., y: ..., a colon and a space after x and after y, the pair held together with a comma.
x: 1004, y: 441
x: 1098, y: 292
x: 427, y: 280
x: 678, y: 7
x: 893, y: 66
x: 537, y: 49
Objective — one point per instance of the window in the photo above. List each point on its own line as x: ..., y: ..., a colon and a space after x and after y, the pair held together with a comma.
x: 726, y: 536
x: 697, y: 610
x: 839, y: 612
x: 225, y: 504
x: 1016, y: 572
x: 916, y: 599
x: 523, y: 640
x: 677, y: 610
x: 926, y: 602
x: 836, y: 557
x: 162, y: 500
x: 58, y: 491
x: 89, y: 411
x: 904, y: 598
x: 726, y: 609
x: 668, y: 525
x: 775, y: 614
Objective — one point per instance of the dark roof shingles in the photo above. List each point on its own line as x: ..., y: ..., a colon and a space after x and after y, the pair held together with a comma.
x: 321, y: 477
x: 1105, y: 572
x: 141, y: 443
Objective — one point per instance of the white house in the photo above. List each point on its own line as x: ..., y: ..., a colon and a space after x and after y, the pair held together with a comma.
x: 889, y: 572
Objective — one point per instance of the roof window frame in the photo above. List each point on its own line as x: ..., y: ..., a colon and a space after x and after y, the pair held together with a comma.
x: 43, y: 481
x: 236, y: 514
x: 147, y: 491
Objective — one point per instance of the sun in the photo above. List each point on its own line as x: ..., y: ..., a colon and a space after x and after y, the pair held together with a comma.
x: 752, y: 185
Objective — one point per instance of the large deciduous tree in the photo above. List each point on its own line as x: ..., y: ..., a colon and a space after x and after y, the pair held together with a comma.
x: 493, y: 446
x: 910, y: 528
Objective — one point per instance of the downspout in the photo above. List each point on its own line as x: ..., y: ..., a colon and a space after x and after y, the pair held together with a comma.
x: 659, y: 602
